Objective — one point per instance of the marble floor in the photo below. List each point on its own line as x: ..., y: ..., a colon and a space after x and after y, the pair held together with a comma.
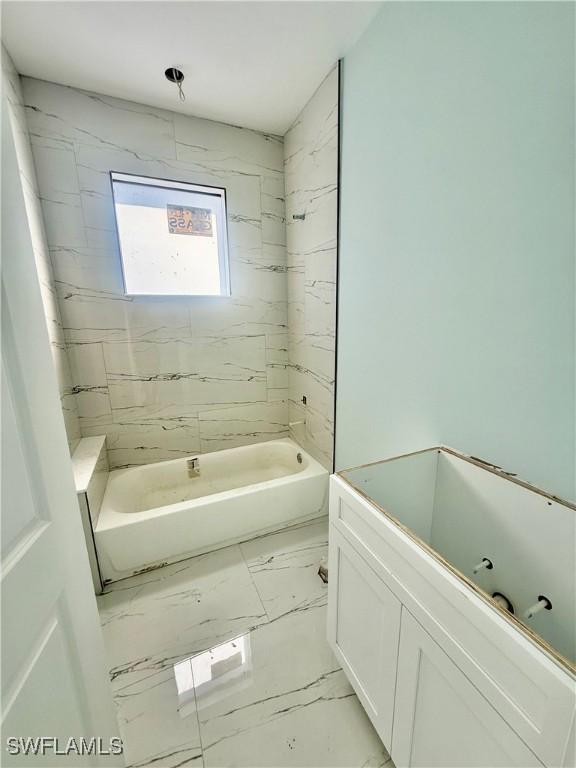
x: 221, y: 660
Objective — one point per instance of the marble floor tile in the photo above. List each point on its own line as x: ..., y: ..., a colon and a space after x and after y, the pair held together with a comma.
x: 157, y: 726
x: 284, y: 567
x: 298, y: 710
x: 178, y: 610
x: 203, y: 675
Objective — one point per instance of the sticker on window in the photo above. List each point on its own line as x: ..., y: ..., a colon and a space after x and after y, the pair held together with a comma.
x: 183, y: 220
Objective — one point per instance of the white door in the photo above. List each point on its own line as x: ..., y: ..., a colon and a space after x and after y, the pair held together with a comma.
x: 440, y: 719
x: 364, y: 630
x: 54, y: 681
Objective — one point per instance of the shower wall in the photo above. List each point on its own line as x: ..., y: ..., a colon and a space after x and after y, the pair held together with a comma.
x: 311, y: 175
x: 12, y: 91
x: 140, y: 365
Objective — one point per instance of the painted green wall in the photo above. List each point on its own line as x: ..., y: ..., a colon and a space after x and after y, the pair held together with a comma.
x: 456, y: 304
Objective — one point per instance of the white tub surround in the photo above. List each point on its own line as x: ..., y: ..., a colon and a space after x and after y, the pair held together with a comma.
x: 157, y: 514
x: 16, y: 111
x: 447, y: 675
x: 163, y: 377
x: 311, y: 179
x: 90, y: 468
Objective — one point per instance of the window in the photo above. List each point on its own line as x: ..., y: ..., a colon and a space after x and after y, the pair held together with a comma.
x: 172, y: 236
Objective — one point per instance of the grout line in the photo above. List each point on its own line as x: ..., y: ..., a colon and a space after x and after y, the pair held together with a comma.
x: 254, y: 584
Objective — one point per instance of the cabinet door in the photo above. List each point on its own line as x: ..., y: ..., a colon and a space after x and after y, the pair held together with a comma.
x: 440, y: 719
x: 364, y: 630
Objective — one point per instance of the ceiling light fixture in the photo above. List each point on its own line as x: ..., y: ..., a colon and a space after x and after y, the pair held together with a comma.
x: 176, y: 76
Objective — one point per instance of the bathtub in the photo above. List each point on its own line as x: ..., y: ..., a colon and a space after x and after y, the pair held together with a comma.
x: 156, y: 514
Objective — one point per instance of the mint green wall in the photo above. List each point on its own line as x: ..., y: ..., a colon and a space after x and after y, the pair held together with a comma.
x: 456, y: 308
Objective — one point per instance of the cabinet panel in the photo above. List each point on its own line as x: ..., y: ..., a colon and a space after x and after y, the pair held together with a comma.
x: 441, y: 720
x: 364, y: 630
x: 531, y: 692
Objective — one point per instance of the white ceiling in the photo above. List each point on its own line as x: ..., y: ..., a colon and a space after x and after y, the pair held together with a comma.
x: 253, y: 64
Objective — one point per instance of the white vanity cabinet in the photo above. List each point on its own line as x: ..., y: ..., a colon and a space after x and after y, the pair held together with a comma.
x: 447, y: 678
x: 364, y: 623
x: 441, y: 720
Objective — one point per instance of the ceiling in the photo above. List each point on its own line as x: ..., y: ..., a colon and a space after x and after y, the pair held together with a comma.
x: 253, y: 64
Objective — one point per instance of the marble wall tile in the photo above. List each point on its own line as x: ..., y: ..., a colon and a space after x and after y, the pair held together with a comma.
x: 242, y: 425
x: 313, y: 424
x: 12, y: 91
x: 151, y: 373
x: 97, y: 485
x: 90, y: 315
x: 59, y: 194
x: 273, y: 229
x: 319, y: 389
x: 260, y: 271
x: 95, y: 163
x: 296, y: 297
x: 186, y: 372
x: 91, y: 384
x: 277, y: 366
x: 61, y: 112
x: 93, y: 316
x: 133, y: 442
x: 319, y: 302
x: 90, y: 468
x: 311, y: 183
x: 87, y: 269
x: 217, y: 145
x: 320, y: 432
x: 272, y: 192
x: 238, y: 316
x: 309, y: 144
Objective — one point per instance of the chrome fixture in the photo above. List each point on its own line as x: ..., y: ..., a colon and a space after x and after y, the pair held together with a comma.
x: 193, y: 466
x: 484, y: 563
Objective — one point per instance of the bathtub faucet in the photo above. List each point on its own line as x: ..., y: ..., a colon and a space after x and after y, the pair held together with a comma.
x: 193, y: 466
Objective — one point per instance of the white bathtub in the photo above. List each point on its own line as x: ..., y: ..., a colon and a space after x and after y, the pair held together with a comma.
x: 156, y: 514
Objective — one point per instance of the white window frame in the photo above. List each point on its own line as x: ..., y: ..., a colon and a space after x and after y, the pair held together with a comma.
x: 221, y: 228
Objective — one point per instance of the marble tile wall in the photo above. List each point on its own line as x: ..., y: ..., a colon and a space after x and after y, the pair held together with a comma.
x: 90, y: 467
x: 91, y: 470
x: 163, y: 377
x: 12, y: 91
x: 311, y: 183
